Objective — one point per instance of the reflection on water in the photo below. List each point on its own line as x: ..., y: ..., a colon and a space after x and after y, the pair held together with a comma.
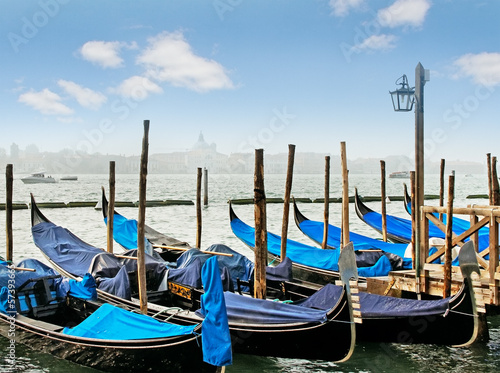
x: 180, y: 222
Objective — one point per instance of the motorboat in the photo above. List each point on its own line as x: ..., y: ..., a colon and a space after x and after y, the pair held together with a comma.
x: 38, y: 178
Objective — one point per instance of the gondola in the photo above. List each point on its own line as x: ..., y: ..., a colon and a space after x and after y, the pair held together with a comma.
x: 152, y: 236
x: 42, y: 310
x: 452, y: 321
x: 310, y: 263
x: 258, y: 327
x: 399, y: 229
x: 396, y: 252
x: 459, y: 225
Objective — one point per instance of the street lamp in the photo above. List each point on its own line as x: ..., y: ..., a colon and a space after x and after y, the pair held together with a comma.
x: 404, y: 97
x: 402, y: 100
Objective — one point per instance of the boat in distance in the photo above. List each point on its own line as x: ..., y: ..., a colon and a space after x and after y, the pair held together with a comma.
x: 400, y: 175
x: 69, y: 178
x: 38, y: 178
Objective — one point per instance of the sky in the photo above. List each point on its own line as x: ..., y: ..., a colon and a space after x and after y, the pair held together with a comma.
x: 84, y: 75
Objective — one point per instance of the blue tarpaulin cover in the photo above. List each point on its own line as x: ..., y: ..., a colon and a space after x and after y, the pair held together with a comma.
x: 305, y: 254
x: 377, y: 306
x: 260, y: 311
x: 216, y: 339
x: 114, y: 323
x: 125, y: 233
x: 400, y: 227
x: 64, y: 248
x: 314, y: 230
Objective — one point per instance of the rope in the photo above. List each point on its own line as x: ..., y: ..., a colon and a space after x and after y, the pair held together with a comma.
x: 178, y: 309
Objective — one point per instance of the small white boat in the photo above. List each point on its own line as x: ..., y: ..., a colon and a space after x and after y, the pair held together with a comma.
x: 38, y: 178
x: 400, y: 175
x: 69, y: 178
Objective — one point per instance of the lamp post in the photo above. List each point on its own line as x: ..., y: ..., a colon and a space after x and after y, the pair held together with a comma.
x: 399, y: 96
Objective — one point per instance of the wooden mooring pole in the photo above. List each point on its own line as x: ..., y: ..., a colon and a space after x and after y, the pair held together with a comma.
x: 324, y: 244
x: 9, y: 178
x: 441, y: 187
x: 413, y: 225
x: 198, y: 208
x: 345, y: 195
x: 448, y: 238
x: 494, y: 182
x: 205, y: 187
x: 286, y: 203
x: 260, y: 227
x: 141, y: 257
x: 382, y: 191
x: 111, y: 206
x: 490, y: 183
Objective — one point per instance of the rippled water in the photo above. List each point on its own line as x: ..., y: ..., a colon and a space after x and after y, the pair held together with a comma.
x: 180, y: 222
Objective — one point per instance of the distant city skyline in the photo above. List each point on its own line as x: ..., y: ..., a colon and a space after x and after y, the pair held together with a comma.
x: 259, y: 74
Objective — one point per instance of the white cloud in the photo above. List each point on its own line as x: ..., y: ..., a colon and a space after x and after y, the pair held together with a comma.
x: 483, y: 68
x: 137, y: 87
x: 377, y: 42
x: 169, y: 58
x: 85, y: 96
x: 341, y: 8
x: 404, y: 13
x: 105, y: 53
x: 46, y: 102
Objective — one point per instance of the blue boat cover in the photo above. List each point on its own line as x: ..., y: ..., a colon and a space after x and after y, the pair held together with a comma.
x: 41, y: 270
x: 314, y: 230
x: 260, y: 311
x: 215, y: 336
x: 114, y: 323
x: 125, y: 233
x: 64, y: 248
x: 305, y: 254
x: 375, y: 306
x: 400, y: 227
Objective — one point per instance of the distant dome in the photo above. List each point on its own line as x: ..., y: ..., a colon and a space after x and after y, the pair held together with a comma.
x: 201, y: 143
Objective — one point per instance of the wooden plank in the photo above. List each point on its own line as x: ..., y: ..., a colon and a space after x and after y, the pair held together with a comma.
x: 111, y: 207
x: 448, y: 241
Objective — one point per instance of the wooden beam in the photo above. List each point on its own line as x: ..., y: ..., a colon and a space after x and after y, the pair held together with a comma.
x: 286, y: 201
x: 494, y: 182
x: 482, y: 211
x: 205, y: 187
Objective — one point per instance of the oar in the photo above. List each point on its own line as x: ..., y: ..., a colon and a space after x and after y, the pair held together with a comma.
x: 185, y: 249
x: 23, y: 269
